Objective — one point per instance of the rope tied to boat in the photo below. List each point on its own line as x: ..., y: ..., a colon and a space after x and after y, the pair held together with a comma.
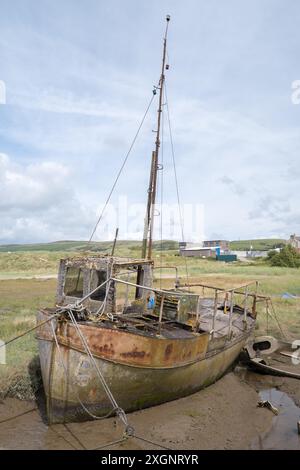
x: 129, y: 430
x: 2, y: 345
x: 73, y: 383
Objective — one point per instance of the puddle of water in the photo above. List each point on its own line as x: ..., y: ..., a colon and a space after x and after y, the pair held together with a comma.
x: 283, y: 433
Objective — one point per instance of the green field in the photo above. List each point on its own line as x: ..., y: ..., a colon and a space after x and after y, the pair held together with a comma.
x: 257, y: 244
x: 20, y: 298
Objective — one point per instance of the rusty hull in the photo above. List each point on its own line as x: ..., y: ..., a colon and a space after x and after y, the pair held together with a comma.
x: 139, y: 370
x: 127, y: 348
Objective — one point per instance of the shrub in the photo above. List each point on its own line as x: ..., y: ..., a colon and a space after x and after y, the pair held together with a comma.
x: 288, y: 257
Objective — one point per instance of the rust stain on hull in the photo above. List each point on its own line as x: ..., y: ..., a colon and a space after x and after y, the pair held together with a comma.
x: 127, y: 348
x: 135, y: 386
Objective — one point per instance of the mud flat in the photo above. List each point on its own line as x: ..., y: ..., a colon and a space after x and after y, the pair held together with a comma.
x: 223, y: 416
x: 284, y: 394
x: 262, y: 382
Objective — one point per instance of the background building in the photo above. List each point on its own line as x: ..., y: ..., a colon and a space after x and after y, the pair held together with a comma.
x: 223, y: 244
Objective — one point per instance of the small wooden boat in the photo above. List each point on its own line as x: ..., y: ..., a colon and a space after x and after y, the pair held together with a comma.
x: 275, y: 357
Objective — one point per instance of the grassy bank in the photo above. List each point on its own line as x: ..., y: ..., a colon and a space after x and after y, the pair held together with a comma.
x: 20, y: 299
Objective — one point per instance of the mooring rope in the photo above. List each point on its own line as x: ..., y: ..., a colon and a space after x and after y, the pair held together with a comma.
x: 112, y: 443
x: 26, y: 332
x: 118, y: 410
x: 129, y: 430
x: 73, y: 383
x: 276, y: 319
x: 126, y: 438
x: 151, y: 442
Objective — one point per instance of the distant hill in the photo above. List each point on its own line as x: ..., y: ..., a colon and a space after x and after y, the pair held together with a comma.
x: 71, y: 245
x: 257, y: 244
x: 133, y: 245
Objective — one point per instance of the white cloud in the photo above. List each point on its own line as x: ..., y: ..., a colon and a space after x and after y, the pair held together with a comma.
x: 38, y: 203
x: 77, y: 89
x: 32, y: 187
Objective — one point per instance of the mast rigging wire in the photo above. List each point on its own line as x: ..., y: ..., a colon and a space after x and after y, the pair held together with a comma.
x: 161, y: 190
x: 121, y: 169
x: 176, y: 178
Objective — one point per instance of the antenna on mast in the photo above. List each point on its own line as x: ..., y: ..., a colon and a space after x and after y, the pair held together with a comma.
x: 149, y: 219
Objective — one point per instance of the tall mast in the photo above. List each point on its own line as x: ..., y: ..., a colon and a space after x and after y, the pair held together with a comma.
x: 149, y: 219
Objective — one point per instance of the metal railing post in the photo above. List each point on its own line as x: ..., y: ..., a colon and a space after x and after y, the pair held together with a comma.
x: 161, y: 313
x: 230, y: 314
x: 245, y: 308
x: 215, y: 313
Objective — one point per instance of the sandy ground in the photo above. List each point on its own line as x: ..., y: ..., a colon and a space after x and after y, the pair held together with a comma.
x: 223, y: 416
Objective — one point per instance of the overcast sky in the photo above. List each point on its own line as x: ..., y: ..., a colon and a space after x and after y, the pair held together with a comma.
x: 79, y: 75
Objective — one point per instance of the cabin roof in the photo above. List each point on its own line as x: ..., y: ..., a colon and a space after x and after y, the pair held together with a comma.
x: 100, y: 261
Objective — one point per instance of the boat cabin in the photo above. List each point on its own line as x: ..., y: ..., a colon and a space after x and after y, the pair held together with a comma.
x: 79, y: 276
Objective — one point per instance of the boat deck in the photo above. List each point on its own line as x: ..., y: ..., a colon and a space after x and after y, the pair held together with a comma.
x: 147, y: 324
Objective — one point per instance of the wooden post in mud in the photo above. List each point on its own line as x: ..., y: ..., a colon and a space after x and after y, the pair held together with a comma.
x: 215, y: 312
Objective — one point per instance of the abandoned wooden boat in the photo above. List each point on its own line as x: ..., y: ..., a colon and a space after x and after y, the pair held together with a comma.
x: 274, y: 356
x: 116, y: 343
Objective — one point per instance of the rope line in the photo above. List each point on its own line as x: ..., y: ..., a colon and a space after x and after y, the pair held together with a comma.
x: 125, y: 438
x: 121, y: 169
x: 112, y: 443
x: 26, y: 332
x: 276, y: 319
x: 151, y: 442
x: 73, y: 383
x: 176, y: 178
x: 10, y: 418
x: 119, y: 411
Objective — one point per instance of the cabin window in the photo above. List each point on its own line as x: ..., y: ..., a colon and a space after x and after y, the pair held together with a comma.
x: 97, y: 278
x: 74, y: 282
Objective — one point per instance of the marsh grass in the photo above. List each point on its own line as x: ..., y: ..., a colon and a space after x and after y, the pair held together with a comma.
x: 19, y: 302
